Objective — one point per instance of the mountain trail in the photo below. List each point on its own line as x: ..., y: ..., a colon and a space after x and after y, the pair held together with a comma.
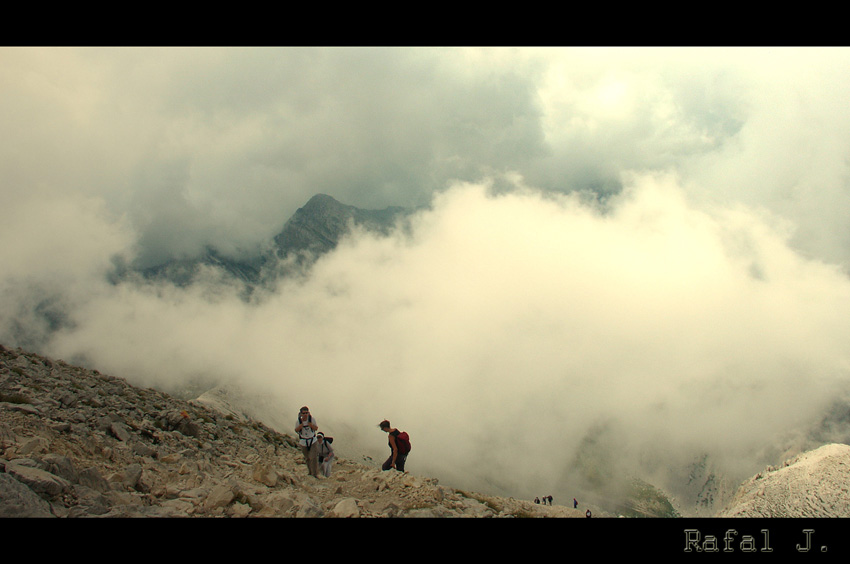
x: 78, y: 443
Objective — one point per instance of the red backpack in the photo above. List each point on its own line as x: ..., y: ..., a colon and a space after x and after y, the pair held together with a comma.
x: 402, y: 442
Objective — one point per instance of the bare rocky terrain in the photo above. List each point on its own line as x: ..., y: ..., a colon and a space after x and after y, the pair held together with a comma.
x: 78, y: 443
x: 813, y: 484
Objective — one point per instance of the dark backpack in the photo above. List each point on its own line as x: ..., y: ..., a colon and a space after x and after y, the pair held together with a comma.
x: 402, y: 442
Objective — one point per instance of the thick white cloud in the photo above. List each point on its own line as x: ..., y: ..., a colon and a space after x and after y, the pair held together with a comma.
x: 503, y: 329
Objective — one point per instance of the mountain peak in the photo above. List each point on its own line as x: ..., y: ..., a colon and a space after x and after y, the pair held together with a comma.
x: 322, y: 222
x: 321, y: 200
x: 314, y: 229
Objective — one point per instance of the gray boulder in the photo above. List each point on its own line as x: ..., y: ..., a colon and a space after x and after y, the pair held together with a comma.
x: 20, y: 501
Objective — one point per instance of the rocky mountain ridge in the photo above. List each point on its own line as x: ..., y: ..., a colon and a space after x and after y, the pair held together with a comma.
x: 314, y: 229
x: 78, y: 443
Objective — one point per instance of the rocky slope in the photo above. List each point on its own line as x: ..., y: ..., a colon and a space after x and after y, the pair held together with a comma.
x: 813, y: 484
x: 78, y: 443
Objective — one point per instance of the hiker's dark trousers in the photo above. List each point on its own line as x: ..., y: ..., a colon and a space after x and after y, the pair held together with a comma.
x: 399, y: 462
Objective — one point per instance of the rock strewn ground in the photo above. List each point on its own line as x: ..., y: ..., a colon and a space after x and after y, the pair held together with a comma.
x: 813, y: 484
x: 78, y: 443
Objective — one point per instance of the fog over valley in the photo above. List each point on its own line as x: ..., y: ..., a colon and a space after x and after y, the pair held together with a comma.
x: 615, y: 262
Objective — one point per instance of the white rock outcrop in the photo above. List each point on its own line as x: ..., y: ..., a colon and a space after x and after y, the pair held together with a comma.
x: 813, y: 484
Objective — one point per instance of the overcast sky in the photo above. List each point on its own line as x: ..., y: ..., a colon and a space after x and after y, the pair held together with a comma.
x: 194, y: 146
x: 708, y: 291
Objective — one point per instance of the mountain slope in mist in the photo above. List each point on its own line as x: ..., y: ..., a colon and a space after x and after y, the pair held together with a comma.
x: 78, y: 443
x: 313, y: 230
x: 320, y: 224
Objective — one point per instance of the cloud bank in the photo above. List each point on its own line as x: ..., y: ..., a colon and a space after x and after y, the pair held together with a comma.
x: 219, y: 146
x: 504, y: 329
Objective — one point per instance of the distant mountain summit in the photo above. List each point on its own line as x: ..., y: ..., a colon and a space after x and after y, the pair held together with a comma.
x: 313, y: 230
x: 318, y: 227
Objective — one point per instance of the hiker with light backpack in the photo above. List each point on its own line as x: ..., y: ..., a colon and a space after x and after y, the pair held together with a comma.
x: 399, y: 442
x: 306, y: 428
x: 326, y: 454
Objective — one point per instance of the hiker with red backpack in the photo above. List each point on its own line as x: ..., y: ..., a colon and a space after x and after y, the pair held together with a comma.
x: 399, y: 442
